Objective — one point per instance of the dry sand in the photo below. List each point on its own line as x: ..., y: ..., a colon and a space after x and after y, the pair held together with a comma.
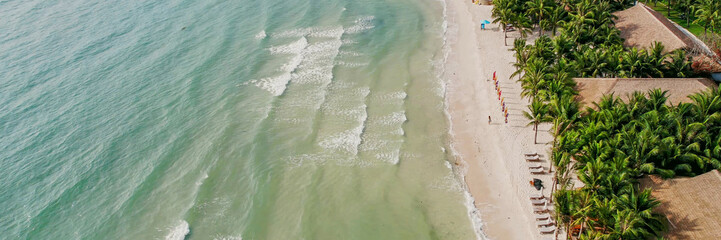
x: 491, y: 154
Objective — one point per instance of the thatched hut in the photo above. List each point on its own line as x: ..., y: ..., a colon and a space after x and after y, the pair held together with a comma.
x: 592, y: 89
x: 692, y: 205
x: 640, y: 26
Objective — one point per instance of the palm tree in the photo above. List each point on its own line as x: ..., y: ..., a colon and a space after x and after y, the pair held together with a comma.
x: 522, y: 24
x: 565, y: 113
x: 556, y: 18
x: 656, y: 59
x: 521, y: 54
x: 503, y: 14
x: 539, y: 9
x: 686, y: 6
x: 707, y: 15
x: 635, y: 218
x: 632, y: 63
x: 678, y: 64
x: 565, y: 206
x: 707, y: 104
x: 536, y: 73
x: 537, y: 113
x: 562, y: 46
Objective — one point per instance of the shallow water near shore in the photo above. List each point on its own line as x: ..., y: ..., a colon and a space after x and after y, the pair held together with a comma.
x: 226, y: 120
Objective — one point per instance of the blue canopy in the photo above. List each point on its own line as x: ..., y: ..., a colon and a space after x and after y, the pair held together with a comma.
x: 485, y: 22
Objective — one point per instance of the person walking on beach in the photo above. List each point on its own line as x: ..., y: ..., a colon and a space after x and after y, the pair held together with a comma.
x: 489, y: 119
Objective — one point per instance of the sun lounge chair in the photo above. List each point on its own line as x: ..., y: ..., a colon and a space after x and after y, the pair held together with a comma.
x: 546, y: 222
x: 549, y: 229
x: 543, y: 216
x: 538, y: 201
x: 530, y: 154
x: 537, y: 170
x: 534, y: 165
x: 540, y: 209
x: 533, y: 158
x: 536, y: 196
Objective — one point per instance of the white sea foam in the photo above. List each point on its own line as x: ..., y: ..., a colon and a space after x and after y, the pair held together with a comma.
x: 316, y: 75
x: 399, y: 95
x: 361, y: 24
x: 398, y: 131
x: 392, y: 157
x: 351, y: 114
x: 448, y: 183
x: 349, y: 41
x: 202, y: 178
x: 310, y: 31
x: 298, y: 32
x: 293, y: 64
x: 353, y: 64
x: 179, y: 231
x: 394, y: 118
x: 346, y: 141
x: 346, y: 53
x: 274, y: 85
x: 292, y: 48
x: 228, y: 238
x: 324, y: 49
x: 324, y: 158
x: 261, y: 35
x: 333, y: 32
x: 376, y: 141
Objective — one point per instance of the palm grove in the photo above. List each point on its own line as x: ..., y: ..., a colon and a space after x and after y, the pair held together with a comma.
x: 612, y: 145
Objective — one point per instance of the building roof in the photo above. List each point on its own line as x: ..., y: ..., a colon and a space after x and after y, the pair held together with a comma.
x: 592, y: 89
x: 691, y: 205
x: 640, y: 26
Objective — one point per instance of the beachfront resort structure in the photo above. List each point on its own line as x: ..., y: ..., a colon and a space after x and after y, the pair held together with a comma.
x: 591, y: 90
x: 641, y: 26
x: 651, y: 111
x: 691, y: 205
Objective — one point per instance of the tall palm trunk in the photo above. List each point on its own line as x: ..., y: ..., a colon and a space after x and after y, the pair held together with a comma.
x: 540, y: 28
x: 553, y: 188
x: 505, y: 36
x: 535, y: 138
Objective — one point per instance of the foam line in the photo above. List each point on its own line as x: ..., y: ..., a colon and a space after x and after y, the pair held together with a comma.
x: 179, y: 231
x: 291, y: 48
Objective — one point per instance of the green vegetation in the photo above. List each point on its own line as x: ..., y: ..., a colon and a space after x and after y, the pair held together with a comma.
x: 618, y: 142
x: 678, y: 17
x: 608, y: 147
x: 700, y: 17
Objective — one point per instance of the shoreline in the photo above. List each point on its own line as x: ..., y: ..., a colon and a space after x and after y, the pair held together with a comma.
x: 489, y: 156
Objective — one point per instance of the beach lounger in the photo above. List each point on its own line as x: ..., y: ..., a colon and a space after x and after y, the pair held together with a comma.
x: 533, y: 159
x: 549, y: 229
x: 537, y: 170
x: 539, y: 210
x: 543, y: 223
x: 530, y: 154
x: 538, y: 201
x: 543, y: 216
x: 536, y: 195
x: 534, y: 165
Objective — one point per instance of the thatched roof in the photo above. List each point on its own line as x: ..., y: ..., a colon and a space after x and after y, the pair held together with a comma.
x: 640, y: 26
x: 592, y: 89
x: 692, y: 205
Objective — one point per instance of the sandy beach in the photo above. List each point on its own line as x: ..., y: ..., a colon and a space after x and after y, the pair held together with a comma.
x: 491, y: 154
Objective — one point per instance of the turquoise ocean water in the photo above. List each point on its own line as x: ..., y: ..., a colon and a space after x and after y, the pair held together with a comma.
x: 246, y: 119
